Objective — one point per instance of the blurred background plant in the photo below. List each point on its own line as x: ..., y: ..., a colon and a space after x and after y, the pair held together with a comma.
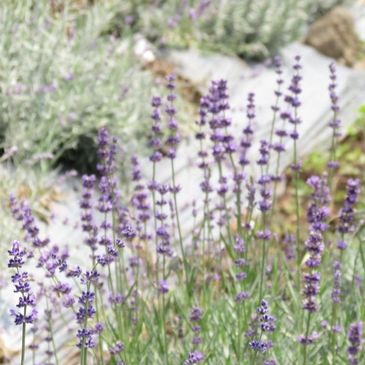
x: 252, y: 29
x: 60, y: 81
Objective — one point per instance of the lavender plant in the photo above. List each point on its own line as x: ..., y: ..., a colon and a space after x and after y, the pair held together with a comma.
x: 149, y: 290
x: 251, y: 29
x: 64, y: 90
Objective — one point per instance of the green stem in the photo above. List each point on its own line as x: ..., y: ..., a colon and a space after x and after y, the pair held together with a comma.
x: 23, y: 337
x: 164, y: 316
x: 332, y: 152
x: 51, y: 332
x: 334, y: 319
x: 306, y: 337
x: 179, y: 226
x: 263, y: 260
x: 154, y: 218
x: 83, y: 348
x: 297, y: 214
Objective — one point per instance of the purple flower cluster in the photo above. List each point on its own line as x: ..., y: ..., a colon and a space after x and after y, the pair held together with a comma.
x: 85, y: 312
x: 289, y: 249
x: 217, y: 100
x: 293, y: 102
x: 116, y: 349
x: 346, y: 218
x: 155, y: 141
x: 195, y: 318
x: 174, y: 138
x: 107, y: 150
x: 267, y: 324
x: 336, y: 291
x: 318, y: 210
x: 194, y: 357
x: 203, y: 154
x: 87, y: 220
x: 21, y: 283
x: 53, y: 259
x: 335, y: 123
x: 22, y: 212
x: 162, y: 231
x: 265, y: 179
x: 240, y: 262
x: 308, y: 340
x: 355, y: 338
x: 317, y: 214
x: 248, y: 131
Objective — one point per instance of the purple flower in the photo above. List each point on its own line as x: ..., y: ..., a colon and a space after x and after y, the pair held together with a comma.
x: 267, y: 325
x: 68, y: 301
x: 23, y: 213
x: 197, y: 12
x: 289, y: 248
x: 346, y: 218
x: 196, y: 314
x: 317, y: 214
x: 194, y: 357
x: 195, y: 317
x: 174, y: 138
x: 117, y: 348
x: 270, y: 362
x: 242, y: 296
x: 87, y: 220
x: 309, y: 340
x: 355, y: 339
x: 293, y: 102
x: 86, y: 311
x: 264, y: 180
x: 264, y: 153
x: 21, y: 283
x: 16, y: 256
x: 248, y: 131
x: 336, y: 292
x: 217, y: 105
x: 335, y: 123
x: 260, y: 345
x: 86, y: 338
x: 163, y: 287
x: 155, y: 141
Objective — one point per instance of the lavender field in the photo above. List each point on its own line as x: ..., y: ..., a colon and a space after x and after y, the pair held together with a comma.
x: 182, y: 182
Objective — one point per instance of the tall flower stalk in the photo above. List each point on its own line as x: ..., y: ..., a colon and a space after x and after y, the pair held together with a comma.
x: 276, y: 108
x: 172, y: 143
x: 26, y: 302
x: 277, y: 144
x: 317, y: 214
x: 335, y: 123
x: 264, y: 205
x: 355, y: 339
x: 293, y: 101
x: 344, y: 227
x: 155, y: 144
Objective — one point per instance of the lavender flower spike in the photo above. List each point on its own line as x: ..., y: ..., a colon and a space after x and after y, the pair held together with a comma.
x: 335, y: 122
x: 194, y: 357
x: 347, y: 212
x: 21, y: 283
x: 355, y: 338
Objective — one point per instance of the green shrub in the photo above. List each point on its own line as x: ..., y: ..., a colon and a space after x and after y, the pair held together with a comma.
x: 60, y: 80
x: 248, y: 28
